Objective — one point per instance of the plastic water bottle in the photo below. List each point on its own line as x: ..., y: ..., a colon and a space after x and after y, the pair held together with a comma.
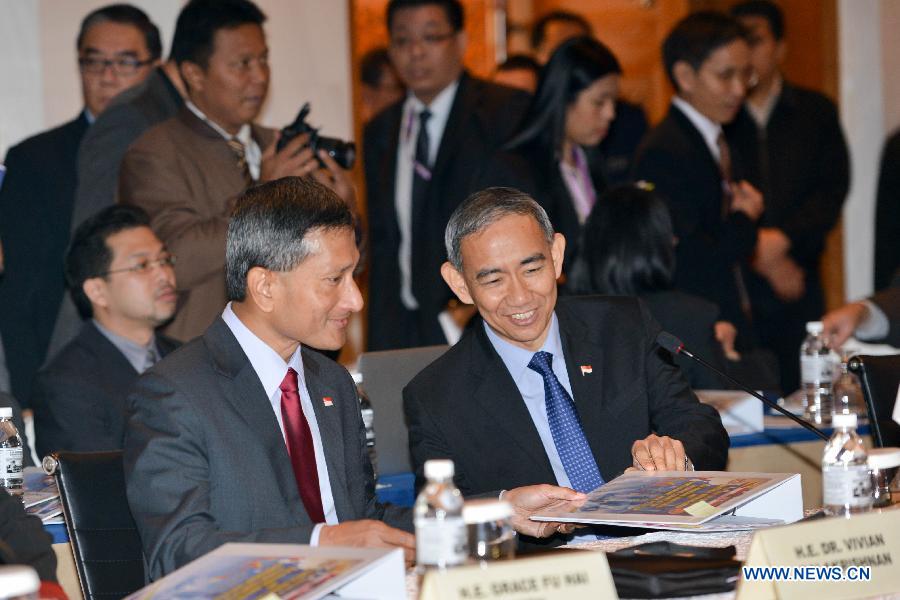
x: 846, y: 482
x: 846, y: 393
x: 816, y: 366
x: 11, y: 477
x: 441, y: 535
x: 368, y: 418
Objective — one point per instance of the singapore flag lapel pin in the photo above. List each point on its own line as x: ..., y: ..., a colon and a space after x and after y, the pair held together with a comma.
x: 586, y: 370
x: 327, y: 401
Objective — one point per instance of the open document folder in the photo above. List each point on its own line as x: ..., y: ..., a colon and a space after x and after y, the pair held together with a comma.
x: 690, y: 500
x: 284, y: 571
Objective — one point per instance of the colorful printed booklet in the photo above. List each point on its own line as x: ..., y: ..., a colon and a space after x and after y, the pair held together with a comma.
x: 690, y: 501
x: 283, y: 571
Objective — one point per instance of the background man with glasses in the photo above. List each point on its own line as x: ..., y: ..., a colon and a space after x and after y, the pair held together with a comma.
x: 423, y: 156
x: 122, y: 279
x: 117, y: 48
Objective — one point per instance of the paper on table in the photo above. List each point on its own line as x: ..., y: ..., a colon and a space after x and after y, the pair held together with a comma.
x: 656, y: 498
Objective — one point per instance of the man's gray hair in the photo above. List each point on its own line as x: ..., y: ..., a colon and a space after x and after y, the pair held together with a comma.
x: 270, y: 228
x: 485, y: 208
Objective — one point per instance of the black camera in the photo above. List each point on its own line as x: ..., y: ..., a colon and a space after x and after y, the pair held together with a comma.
x: 343, y: 153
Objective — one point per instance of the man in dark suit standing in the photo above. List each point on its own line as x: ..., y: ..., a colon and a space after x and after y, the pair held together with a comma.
x: 569, y: 392
x: 688, y: 160
x: 792, y: 149
x: 423, y: 156
x: 117, y: 48
x: 129, y: 115
x: 187, y: 171
x: 122, y: 280
x: 246, y: 434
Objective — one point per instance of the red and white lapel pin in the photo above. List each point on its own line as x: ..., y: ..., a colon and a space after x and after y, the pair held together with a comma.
x: 327, y: 401
x: 586, y: 370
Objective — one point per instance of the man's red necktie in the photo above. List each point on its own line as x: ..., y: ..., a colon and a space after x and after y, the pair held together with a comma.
x: 300, y: 447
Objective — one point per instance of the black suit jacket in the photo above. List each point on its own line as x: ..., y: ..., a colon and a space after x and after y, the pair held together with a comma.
x: 801, y: 165
x: 483, y: 116
x: 887, y: 214
x: 888, y: 300
x: 35, y: 212
x: 206, y: 463
x: 677, y: 161
x: 466, y: 406
x: 79, y: 396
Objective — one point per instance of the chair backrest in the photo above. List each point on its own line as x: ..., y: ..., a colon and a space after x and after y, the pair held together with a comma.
x: 104, y: 538
x: 385, y: 374
x: 880, y: 380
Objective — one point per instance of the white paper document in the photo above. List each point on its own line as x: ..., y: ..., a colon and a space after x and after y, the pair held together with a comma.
x: 685, y: 500
x: 284, y: 571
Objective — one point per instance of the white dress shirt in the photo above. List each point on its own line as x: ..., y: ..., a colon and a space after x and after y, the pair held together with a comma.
x: 406, y: 155
x: 271, y: 369
x: 252, y: 151
x: 709, y: 129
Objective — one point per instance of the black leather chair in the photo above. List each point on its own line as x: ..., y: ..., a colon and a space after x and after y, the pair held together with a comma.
x: 880, y: 378
x: 104, y: 538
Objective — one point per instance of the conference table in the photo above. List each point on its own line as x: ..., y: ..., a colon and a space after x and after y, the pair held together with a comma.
x: 782, y: 447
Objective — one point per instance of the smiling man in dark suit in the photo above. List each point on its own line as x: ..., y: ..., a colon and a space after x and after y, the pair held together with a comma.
x: 416, y: 174
x: 121, y: 279
x: 570, y: 391
x: 687, y: 158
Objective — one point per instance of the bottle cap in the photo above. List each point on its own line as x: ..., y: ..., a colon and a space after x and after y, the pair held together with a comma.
x: 486, y: 511
x: 5, y: 412
x: 844, y: 420
x: 815, y: 327
x: 18, y: 580
x: 884, y: 458
x: 439, y: 468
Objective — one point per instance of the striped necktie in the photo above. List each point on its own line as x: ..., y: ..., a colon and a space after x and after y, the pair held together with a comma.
x: 240, y: 153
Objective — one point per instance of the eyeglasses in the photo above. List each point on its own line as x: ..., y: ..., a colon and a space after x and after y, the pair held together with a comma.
x: 403, y: 42
x: 121, y: 66
x: 144, y: 266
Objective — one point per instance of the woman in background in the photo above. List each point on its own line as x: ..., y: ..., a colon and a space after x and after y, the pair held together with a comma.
x: 555, y: 150
x: 629, y: 250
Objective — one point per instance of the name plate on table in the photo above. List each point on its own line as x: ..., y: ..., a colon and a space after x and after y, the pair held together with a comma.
x: 568, y: 575
x: 831, y: 558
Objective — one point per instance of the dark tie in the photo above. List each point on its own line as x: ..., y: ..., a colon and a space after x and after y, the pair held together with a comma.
x: 565, y: 427
x: 725, y: 168
x: 241, y: 154
x: 421, y: 177
x: 300, y: 447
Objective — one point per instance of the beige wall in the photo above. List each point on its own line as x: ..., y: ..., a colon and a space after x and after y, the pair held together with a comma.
x: 869, y: 53
x: 310, y: 57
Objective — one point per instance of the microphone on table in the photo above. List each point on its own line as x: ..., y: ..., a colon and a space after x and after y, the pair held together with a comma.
x: 671, y: 343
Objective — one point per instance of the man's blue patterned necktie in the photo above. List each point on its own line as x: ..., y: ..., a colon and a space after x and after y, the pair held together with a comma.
x: 573, y: 448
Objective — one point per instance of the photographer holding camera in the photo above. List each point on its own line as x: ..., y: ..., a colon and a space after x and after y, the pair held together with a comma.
x: 187, y: 171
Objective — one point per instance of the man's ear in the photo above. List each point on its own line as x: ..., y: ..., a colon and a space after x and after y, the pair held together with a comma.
x: 192, y: 74
x: 684, y: 75
x: 456, y: 282
x: 462, y: 40
x: 557, y: 252
x: 95, y: 289
x: 781, y: 50
x: 261, y: 284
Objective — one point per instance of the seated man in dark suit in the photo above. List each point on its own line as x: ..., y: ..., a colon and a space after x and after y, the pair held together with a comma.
x: 572, y: 391
x: 246, y: 434
x: 117, y: 47
x: 121, y: 279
